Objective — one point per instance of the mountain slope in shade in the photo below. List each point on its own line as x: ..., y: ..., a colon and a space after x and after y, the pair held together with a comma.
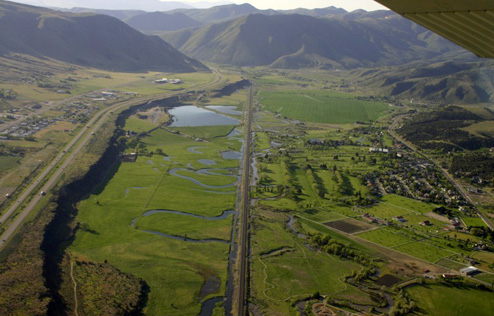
x: 160, y: 21
x: 294, y: 41
x: 88, y: 40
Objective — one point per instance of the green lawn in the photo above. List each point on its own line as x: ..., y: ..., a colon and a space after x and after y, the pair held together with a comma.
x: 424, y: 251
x: 322, y: 106
x: 436, y: 300
x: 473, y: 221
x: 139, y: 126
x: 395, y: 205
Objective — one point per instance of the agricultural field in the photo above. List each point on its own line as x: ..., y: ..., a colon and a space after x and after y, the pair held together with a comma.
x: 321, y: 106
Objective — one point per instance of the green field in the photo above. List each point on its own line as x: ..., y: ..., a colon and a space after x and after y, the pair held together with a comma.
x: 137, y: 125
x: 385, y: 237
x: 473, y: 221
x: 184, y: 226
x: 322, y: 106
x: 114, y: 228
x: 7, y: 162
x: 395, y: 205
x: 424, y: 251
x: 436, y: 300
x: 294, y: 271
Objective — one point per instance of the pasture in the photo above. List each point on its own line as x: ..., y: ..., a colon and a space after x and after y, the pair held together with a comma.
x: 385, y: 237
x: 437, y: 300
x: 293, y: 273
x: 322, y: 106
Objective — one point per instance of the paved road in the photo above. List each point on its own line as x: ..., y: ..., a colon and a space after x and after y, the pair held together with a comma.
x: 244, y: 216
x: 458, y: 187
x: 85, y: 134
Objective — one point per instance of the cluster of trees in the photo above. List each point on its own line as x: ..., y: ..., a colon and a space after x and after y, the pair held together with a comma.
x: 62, y: 85
x: 441, y: 129
x: 482, y: 231
x: 363, y: 274
x: 22, y: 285
x: 403, y: 305
x: 8, y: 94
x: 345, y: 187
x: 6, y: 150
x: 478, y: 166
x: 293, y: 190
x: 334, y: 247
x: 316, y: 181
x: 104, y: 290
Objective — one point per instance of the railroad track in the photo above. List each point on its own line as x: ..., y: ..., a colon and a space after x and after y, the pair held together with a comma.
x: 244, y: 216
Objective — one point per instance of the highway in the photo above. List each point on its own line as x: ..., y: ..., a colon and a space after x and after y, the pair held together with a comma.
x: 243, y: 269
x: 63, y: 159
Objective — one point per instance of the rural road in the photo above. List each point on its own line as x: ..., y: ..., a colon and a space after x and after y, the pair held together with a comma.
x: 244, y: 216
x: 86, y: 134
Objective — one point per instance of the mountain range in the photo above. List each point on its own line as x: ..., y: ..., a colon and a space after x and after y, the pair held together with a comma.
x: 86, y: 39
x: 342, y: 40
x: 146, y: 5
x: 185, y: 18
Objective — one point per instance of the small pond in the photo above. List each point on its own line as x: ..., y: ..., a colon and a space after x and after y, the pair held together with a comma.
x: 191, y: 115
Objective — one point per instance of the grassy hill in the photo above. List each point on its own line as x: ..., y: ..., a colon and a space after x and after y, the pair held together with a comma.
x: 223, y: 12
x: 357, y: 39
x: 451, y: 82
x: 86, y: 39
x: 161, y: 21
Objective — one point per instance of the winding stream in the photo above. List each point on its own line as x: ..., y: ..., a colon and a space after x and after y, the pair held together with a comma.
x: 194, y: 150
x: 174, y: 172
x: 223, y: 215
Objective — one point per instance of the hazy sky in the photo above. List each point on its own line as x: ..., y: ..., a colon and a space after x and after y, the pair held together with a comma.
x: 348, y: 5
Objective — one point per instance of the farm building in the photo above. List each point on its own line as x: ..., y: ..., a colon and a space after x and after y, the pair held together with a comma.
x: 469, y: 271
x: 132, y: 157
x: 378, y: 150
x: 401, y: 219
